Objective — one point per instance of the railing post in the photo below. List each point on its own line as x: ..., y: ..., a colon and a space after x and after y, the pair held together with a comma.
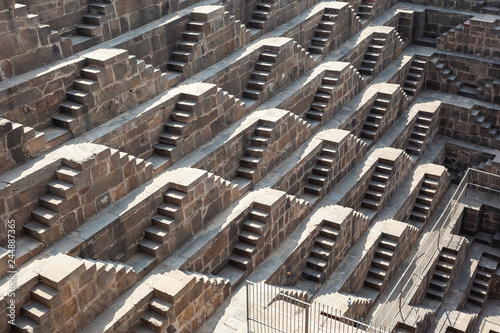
x: 307, y: 318
x: 248, y: 308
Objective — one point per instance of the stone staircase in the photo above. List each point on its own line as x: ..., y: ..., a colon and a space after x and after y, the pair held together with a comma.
x: 320, y: 43
x: 260, y: 15
x: 176, y: 129
x: 156, y: 316
x: 485, y: 127
x: 36, y: 311
x: 420, y: 213
x: 319, y: 258
x: 478, y: 292
x: 189, y: 47
x: 254, y: 153
x: 250, y: 242
x: 61, y: 197
x: 371, y: 126
x: 378, y: 184
x: 376, y: 277
x: 260, y: 76
x: 322, y: 98
x: 364, y: 10
x: 89, y: 32
x: 419, y: 134
x: 372, y: 57
x: 441, y: 277
x: 153, y: 248
x: 415, y: 77
x: 89, y: 104
x: 322, y: 172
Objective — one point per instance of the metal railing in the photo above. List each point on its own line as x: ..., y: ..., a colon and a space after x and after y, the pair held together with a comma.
x: 475, y: 185
x: 271, y: 309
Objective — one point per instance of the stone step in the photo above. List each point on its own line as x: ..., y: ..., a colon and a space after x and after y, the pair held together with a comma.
x: 177, y: 128
x: 374, y: 195
x: 255, y: 151
x: 424, y: 199
x: 325, y: 243
x: 88, y: 30
x: 241, y: 262
x: 45, y: 216
x: 325, y: 33
x: 249, y: 238
x: 38, y: 231
x: 260, y: 141
x: 313, y: 275
x: 313, y: 189
x: 416, y: 215
x: 73, y: 109
x: 366, y: 70
x: 430, y: 183
x: 165, y: 150
x: 61, y: 188
x: 481, y: 284
x: 170, y: 210
x: 153, y: 320
x: 150, y: 247
x: 384, y: 253
x: 163, y: 221
x: 368, y: 63
x: 420, y: 207
x: 141, y: 262
x: 388, y: 244
x: 192, y: 36
x: 444, y: 266
x: 245, y: 172
x: 370, y: 204
x: 315, y: 115
x: 383, y: 168
x: 80, y: 97
x: 186, y: 46
x: 366, y: 133
x: 478, y: 292
x: 44, y: 294
x: 101, y: 8
x: 317, y: 180
x: 255, y: 227
x: 94, y: 19
x: 250, y: 161
x: 316, y: 49
x: 64, y: 121
x: 252, y: 93
x: 381, y: 263
x: 377, y: 273
x: 323, y: 41
x: 170, y: 139
x: 441, y: 275
x: 376, y: 186
x: 316, y: 263
x: 256, y: 85
x: 437, y: 284
x: 244, y: 249
x: 378, y: 109
x: 475, y: 299
x: 447, y: 257
x: 320, y: 253
x: 176, y: 66
x: 321, y: 170
x: 373, y: 283
x: 371, y: 126
x: 24, y: 324
x: 257, y: 24
x: 259, y: 215
x: 319, y: 106
x: 264, y: 131
x: 52, y: 202
x: 329, y: 232
x: 434, y: 294
x: 36, y: 311
x: 156, y: 234
x: 374, y: 118
x: 160, y: 306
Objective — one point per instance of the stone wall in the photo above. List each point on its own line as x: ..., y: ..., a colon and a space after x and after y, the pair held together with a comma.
x: 392, y: 48
x: 433, y: 23
x: 211, y: 110
x: 434, y: 172
x: 290, y: 271
x: 477, y: 124
x: 220, y: 36
x: 347, y: 24
x: 458, y: 158
x: 289, y: 131
x: 62, y: 16
x: 464, y: 75
x: 67, y: 293
x: 477, y: 36
x: 401, y: 164
x: 26, y: 44
x: 292, y: 62
x: 349, y: 151
x: 214, y: 256
x: 206, y: 195
x: 77, y: 182
x: 18, y: 144
x: 176, y: 301
x: 348, y: 85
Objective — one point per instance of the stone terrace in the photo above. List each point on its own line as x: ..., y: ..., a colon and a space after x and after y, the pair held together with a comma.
x: 156, y: 154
